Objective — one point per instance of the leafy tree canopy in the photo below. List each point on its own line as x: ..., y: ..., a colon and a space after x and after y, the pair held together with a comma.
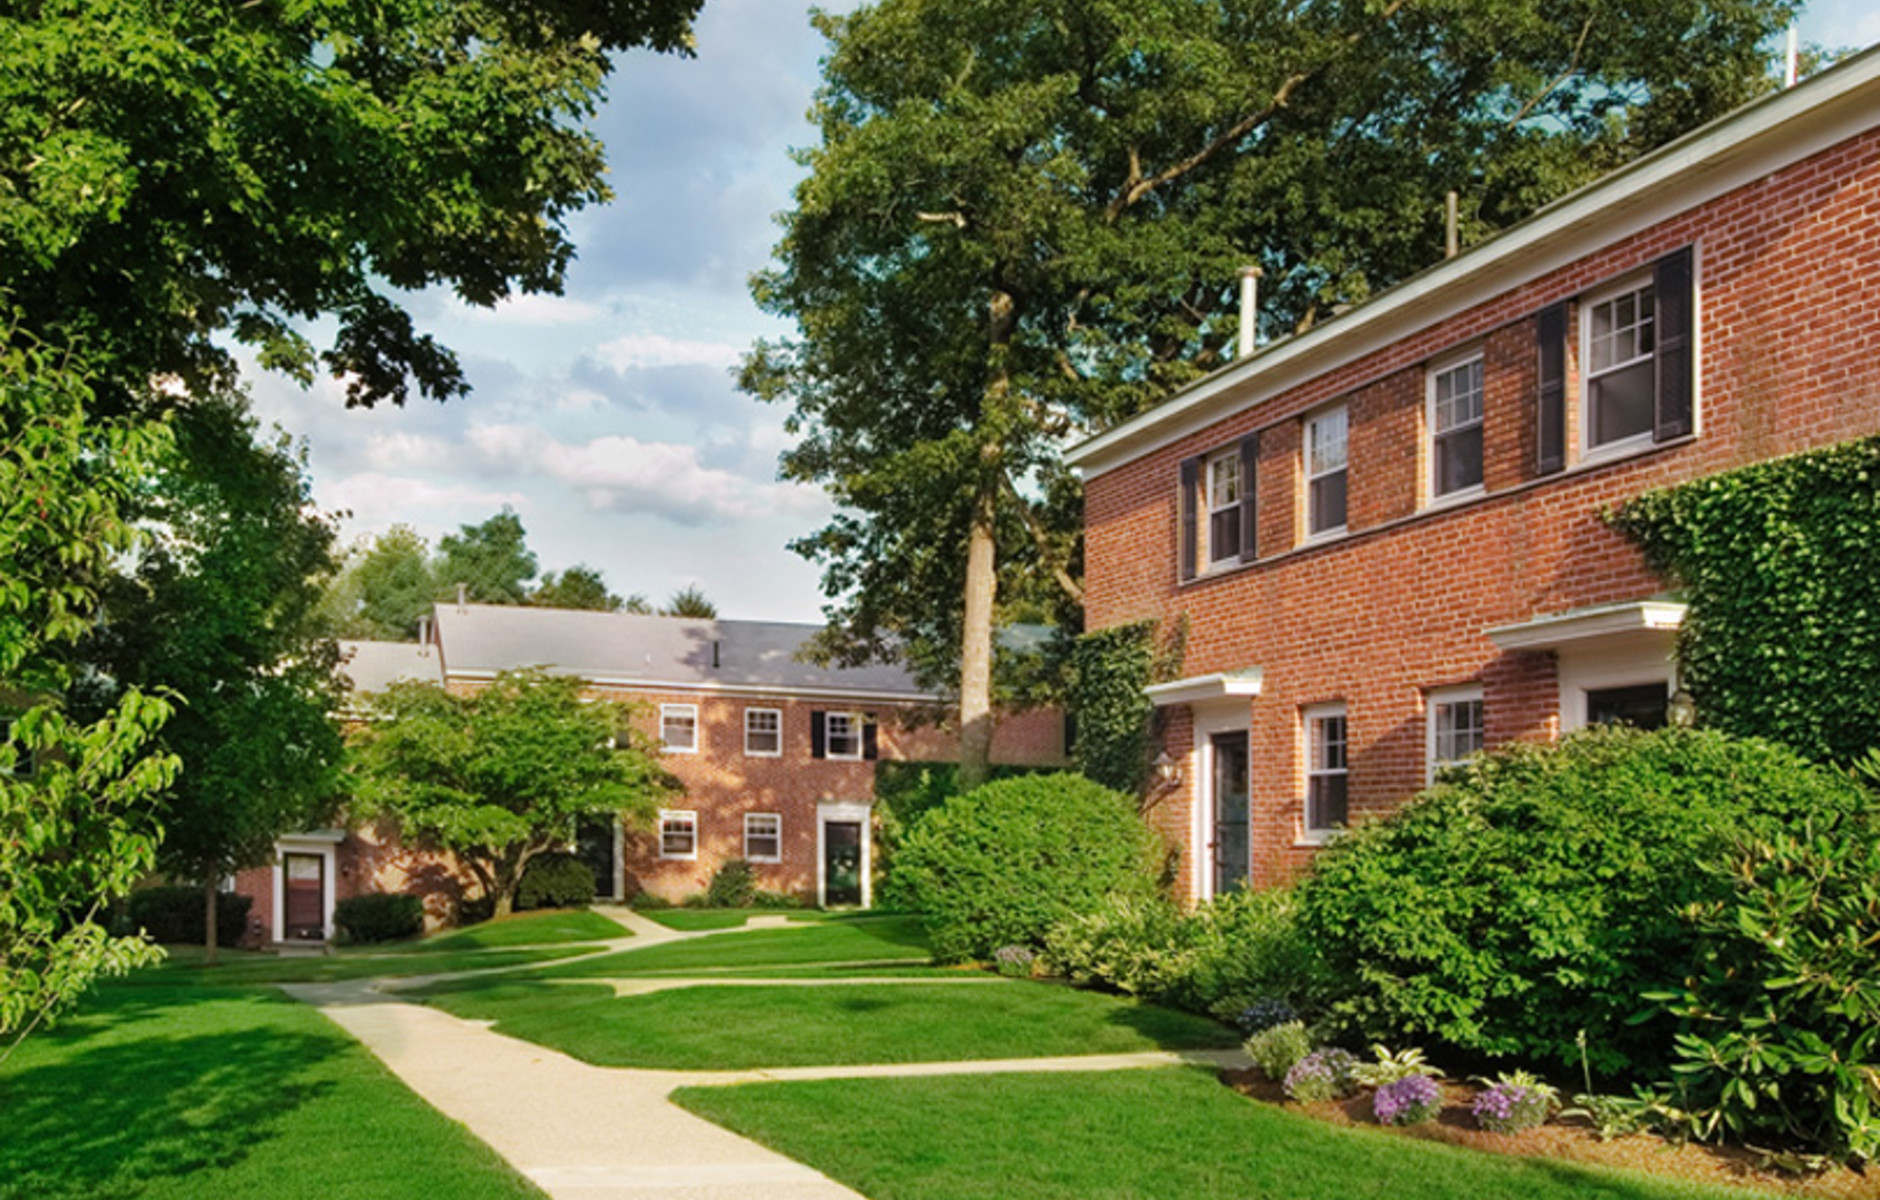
x: 502, y: 776
x: 690, y: 601
x: 1024, y: 222
x: 171, y: 172
x: 491, y: 561
x: 580, y: 586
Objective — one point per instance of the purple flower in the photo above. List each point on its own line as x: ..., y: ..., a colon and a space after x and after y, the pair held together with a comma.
x: 1407, y: 1101
x: 1510, y: 1108
x: 1321, y: 1075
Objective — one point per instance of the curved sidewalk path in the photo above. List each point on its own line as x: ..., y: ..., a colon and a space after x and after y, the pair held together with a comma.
x: 582, y: 1132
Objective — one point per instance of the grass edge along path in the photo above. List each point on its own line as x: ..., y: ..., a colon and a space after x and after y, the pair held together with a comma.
x: 1153, y: 1134
x: 167, y: 1093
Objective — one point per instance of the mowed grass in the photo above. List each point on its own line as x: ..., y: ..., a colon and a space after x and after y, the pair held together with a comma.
x: 169, y: 1094
x: 557, y: 927
x: 184, y: 968
x: 693, y: 920
x: 747, y: 1027
x: 871, y: 939
x: 1160, y: 1134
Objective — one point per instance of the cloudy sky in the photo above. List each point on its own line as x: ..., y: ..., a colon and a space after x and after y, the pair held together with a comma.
x: 607, y: 417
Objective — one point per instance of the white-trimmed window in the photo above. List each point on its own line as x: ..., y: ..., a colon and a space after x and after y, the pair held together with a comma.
x: 678, y: 728
x: 1325, y: 472
x: 1619, y: 333
x: 678, y: 833
x: 763, y: 837
x: 842, y: 735
x: 1223, y: 495
x: 1455, y: 425
x: 1326, y: 807
x: 1456, y: 727
x: 763, y: 732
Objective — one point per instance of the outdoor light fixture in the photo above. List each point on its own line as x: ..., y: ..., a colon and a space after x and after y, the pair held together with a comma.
x: 1681, y: 709
x: 1168, y: 771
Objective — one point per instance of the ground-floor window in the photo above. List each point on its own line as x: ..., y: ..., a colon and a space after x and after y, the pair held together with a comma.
x: 1641, y: 706
x: 678, y: 834
x: 1456, y: 727
x: 1325, y: 804
x: 763, y: 837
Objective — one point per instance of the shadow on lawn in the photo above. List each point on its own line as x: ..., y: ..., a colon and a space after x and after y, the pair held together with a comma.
x: 100, y: 1123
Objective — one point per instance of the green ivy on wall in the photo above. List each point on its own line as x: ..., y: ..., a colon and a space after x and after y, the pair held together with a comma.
x: 1780, y: 565
x: 1114, y: 719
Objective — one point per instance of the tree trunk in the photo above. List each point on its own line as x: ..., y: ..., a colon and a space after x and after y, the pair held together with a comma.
x: 209, y: 890
x: 976, y: 643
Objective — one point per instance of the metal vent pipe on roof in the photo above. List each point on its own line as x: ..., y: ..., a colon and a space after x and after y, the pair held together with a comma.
x: 463, y: 596
x: 714, y: 654
x: 1249, y: 309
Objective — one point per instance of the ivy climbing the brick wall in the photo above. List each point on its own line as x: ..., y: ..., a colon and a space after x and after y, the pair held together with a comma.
x: 1780, y: 564
x: 1115, y: 721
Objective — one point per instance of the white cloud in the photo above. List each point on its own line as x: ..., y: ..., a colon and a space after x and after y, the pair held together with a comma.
x: 658, y: 350
x: 377, y: 501
x: 406, y: 452
x: 525, y: 308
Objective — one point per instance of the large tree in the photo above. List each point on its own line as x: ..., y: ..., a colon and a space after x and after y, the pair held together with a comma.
x: 491, y: 562
x: 174, y: 172
x: 381, y: 589
x: 218, y: 608
x: 580, y: 586
x: 502, y: 776
x: 1026, y: 221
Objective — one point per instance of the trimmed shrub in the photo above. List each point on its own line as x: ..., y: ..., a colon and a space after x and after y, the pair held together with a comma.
x: 1322, y: 1075
x: 1410, y: 1100
x: 176, y: 914
x: 733, y: 886
x: 555, y: 880
x: 1536, y: 893
x: 904, y: 793
x: 379, y: 917
x: 1278, y: 1048
x: 1004, y: 863
x: 1133, y: 945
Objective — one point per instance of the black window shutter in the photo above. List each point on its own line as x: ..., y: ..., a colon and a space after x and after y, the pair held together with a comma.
x: 1550, y: 335
x: 1191, y: 487
x: 871, y: 746
x: 1671, y: 298
x: 1249, y: 461
x: 818, y: 746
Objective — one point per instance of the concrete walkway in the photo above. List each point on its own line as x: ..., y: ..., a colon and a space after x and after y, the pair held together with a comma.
x: 582, y: 1132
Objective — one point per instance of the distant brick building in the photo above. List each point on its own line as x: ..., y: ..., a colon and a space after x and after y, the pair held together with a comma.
x: 1385, y: 533
x: 777, y: 757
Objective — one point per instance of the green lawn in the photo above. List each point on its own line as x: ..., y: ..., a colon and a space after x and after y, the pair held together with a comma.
x: 527, y: 929
x: 740, y: 1028
x: 698, y: 919
x: 832, y: 941
x: 184, y: 968
x: 1171, y: 1134
x: 172, y: 1094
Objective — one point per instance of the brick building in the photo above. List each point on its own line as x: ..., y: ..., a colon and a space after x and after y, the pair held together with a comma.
x: 777, y: 757
x: 1385, y: 533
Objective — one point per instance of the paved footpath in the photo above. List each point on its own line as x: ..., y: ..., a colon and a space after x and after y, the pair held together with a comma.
x: 581, y: 1132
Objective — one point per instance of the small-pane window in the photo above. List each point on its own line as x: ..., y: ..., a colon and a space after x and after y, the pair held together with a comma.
x: 763, y: 837
x: 1456, y: 728
x: 842, y: 735
x: 1641, y: 706
x: 1325, y: 771
x: 763, y: 732
x: 678, y: 728
x: 678, y: 834
x: 1456, y: 428
x: 1224, y: 490
x: 1620, y: 388
x: 1325, y: 472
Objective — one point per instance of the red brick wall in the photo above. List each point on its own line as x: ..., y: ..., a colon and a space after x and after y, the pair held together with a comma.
x: 1789, y: 336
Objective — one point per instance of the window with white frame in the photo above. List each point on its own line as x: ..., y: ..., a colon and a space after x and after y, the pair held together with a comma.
x: 1223, y: 503
x: 678, y: 728
x: 1455, y: 424
x: 842, y: 735
x: 1456, y: 727
x: 1619, y: 329
x: 678, y: 833
x: 763, y: 837
x: 1325, y: 808
x: 763, y: 732
x: 1325, y: 472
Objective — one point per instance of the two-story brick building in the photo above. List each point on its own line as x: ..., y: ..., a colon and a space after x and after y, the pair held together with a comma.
x: 1386, y: 533
x: 776, y: 756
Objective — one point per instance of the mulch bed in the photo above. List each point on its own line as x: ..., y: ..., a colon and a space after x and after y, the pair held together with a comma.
x: 1569, y: 1142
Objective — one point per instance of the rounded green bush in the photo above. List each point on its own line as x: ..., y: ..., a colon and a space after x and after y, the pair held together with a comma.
x: 555, y: 881
x: 379, y: 917
x: 1000, y: 865
x: 1540, y: 892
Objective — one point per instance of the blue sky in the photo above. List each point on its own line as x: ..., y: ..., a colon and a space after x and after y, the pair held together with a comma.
x: 607, y: 417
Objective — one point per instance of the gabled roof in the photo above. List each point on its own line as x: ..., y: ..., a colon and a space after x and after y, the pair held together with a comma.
x: 627, y: 650
x: 1736, y: 149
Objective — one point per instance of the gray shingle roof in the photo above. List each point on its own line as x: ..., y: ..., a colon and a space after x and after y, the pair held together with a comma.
x: 374, y: 666
x: 623, y: 648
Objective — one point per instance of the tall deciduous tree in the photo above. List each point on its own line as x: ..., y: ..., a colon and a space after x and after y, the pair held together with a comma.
x: 174, y: 172
x: 381, y: 589
x: 219, y: 609
x: 580, y: 586
x: 492, y: 562
x: 690, y: 601
x: 501, y: 776
x: 1026, y: 221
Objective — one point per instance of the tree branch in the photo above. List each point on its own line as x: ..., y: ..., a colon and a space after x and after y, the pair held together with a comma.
x: 1040, y: 539
x: 1573, y: 66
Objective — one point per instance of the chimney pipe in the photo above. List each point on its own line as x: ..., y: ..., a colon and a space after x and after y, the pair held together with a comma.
x: 1452, y: 226
x: 1249, y: 309
x: 714, y: 654
x: 463, y: 596
x: 1791, y: 61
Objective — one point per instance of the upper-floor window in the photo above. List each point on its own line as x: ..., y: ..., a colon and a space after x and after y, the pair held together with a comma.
x: 1223, y: 499
x: 1456, y: 727
x: 845, y: 735
x: 1455, y: 424
x: 1621, y: 335
x: 1325, y: 472
x: 763, y: 732
x: 678, y: 728
x: 1326, y: 797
